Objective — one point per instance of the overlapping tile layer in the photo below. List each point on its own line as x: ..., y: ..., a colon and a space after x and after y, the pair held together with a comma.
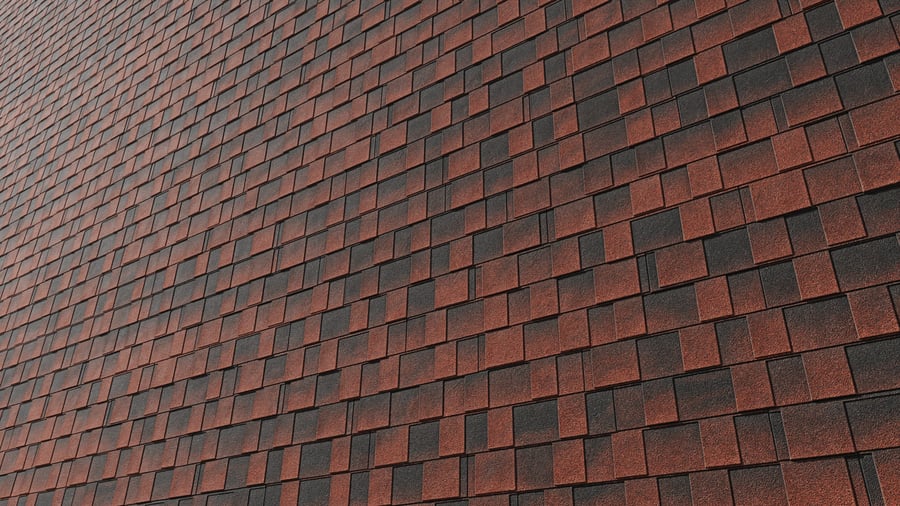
x: 570, y: 252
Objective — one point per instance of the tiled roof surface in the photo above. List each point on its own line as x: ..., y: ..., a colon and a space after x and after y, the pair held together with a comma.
x: 527, y: 252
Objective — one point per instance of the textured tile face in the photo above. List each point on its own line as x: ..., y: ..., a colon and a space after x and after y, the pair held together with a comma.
x: 569, y: 252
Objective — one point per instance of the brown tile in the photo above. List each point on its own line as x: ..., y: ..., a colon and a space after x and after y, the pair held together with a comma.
x: 816, y: 430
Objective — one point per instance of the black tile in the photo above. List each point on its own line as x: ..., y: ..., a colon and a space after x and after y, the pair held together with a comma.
x: 593, y: 80
x: 609, y: 493
x: 542, y: 129
x: 823, y: 21
x: 440, y: 260
x: 613, y: 205
x: 359, y: 489
x: 867, y: 263
x: 864, y: 85
x: 532, y: 469
x: 246, y: 348
x: 361, y: 255
x: 527, y: 498
x: 567, y: 34
x: 377, y: 308
x: 763, y: 81
x: 656, y: 231
x: 779, y: 282
x: 423, y: 441
x: 692, y: 107
x: 476, y: 432
x: 682, y: 76
x: 675, y: 490
x: 839, y: 54
x: 671, y: 309
x: 750, y: 50
x: 48, y: 498
x: 660, y: 356
x: 539, y: 101
x: 727, y: 209
x: 728, y: 252
x: 629, y: 403
x: 535, y: 423
x: 335, y: 323
x: 777, y: 426
x: 420, y: 298
x: 360, y: 449
x: 601, y: 414
x: 494, y: 150
x: 820, y: 324
x: 276, y: 285
x: 274, y: 460
x: 652, y: 275
x: 447, y: 227
x: 506, y: 89
x: 555, y: 67
x: 591, y: 249
x: 805, y: 230
x: 418, y: 127
x: 459, y: 108
x: 879, y: 211
x: 728, y: 128
x: 487, y: 245
x: 870, y: 477
x: 875, y: 365
x: 555, y: 13
x: 236, y: 476
x: 465, y: 317
x: 598, y: 110
x: 274, y: 369
x: 754, y: 432
x: 733, y: 337
x: 606, y: 140
x: 788, y: 380
x: 874, y: 422
x: 651, y: 156
x: 162, y: 483
x: 704, y: 394
x: 407, y: 484
x: 431, y: 96
x: 315, y: 459
x: 634, y: 8
x: 656, y: 87
x: 518, y: 57
x: 314, y: 491
x: 484, y: 22
x: 498, y: 179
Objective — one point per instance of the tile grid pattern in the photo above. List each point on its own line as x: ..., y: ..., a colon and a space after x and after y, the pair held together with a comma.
x: 571, y: 252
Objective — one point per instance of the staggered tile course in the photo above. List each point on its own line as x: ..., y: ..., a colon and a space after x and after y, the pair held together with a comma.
x: 526, y: 252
